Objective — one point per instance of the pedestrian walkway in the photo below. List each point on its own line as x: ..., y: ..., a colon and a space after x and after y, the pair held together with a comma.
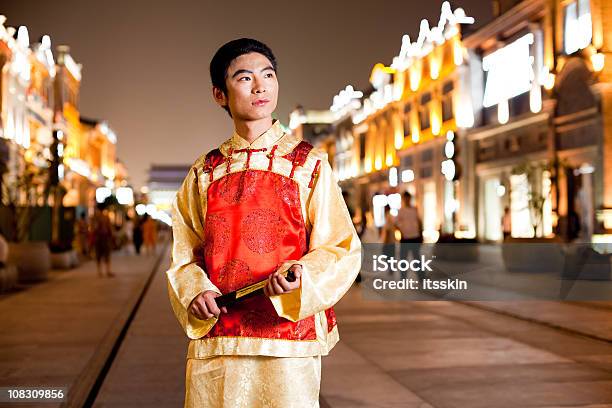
x: 60, y: 333
x: 149, y: 368
x: 391, y: 354
x: 448, y: 354
x: 592, y: 319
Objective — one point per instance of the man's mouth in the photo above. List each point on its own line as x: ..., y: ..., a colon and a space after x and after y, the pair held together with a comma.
x: 261, y: 102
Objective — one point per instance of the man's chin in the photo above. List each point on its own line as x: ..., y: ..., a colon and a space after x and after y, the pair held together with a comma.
x: 259, y: 115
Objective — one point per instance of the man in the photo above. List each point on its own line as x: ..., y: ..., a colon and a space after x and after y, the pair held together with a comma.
x: 261, y: 204
x: 410, y: 226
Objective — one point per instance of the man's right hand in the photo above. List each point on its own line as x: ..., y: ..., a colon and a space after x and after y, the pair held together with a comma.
x: 204, y: 305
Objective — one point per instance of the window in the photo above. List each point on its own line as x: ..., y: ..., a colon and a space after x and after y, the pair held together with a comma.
x: 577, y: 26
x: 424, y: 113
x: 447, y: 101
x: 407, y: 124
x: 427, y: 155
x: 406, y: 162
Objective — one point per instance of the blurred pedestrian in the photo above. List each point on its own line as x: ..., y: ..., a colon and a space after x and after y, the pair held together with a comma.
x: 82, y: 235
x: 506, y: 223
x: 102, y: 232
x: 411, y: 229
x: 149, y: 234
x: 137, y: 234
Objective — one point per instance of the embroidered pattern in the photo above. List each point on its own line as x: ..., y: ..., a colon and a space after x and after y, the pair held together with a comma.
x: 262, y: 230
x: 228, y: 161
x: 216, y: 234
x: 287, y: 191
x: 331, y: 319
x: 298, y: 155
x: 303, y: 328
x: 236, y: 187
x: 234, y: 275
x: 260, y: 323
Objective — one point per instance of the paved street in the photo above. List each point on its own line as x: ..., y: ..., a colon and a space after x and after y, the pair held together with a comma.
x: 60, y: 333
x: 391, y: 354
x: 405, y: 354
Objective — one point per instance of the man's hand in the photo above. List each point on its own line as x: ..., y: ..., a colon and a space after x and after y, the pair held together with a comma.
x: 278, y: 285
x: 204, y: 305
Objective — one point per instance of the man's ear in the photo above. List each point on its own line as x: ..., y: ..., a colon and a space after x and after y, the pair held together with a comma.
x: 220, y: 97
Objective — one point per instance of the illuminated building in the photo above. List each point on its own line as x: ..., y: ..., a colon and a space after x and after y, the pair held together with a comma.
x: 15, y: 82
x: 97, y: 158
x: 39, y: 114
x: 404, y: 132
x: 73, y: 171
x: 542, y: 140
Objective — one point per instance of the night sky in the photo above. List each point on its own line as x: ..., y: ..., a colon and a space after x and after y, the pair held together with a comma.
x: 145, y: 63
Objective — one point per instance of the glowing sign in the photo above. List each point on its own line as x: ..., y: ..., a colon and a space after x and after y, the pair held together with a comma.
x: 509, y: 71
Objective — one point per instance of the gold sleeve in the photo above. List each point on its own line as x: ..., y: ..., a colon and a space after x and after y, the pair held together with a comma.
x: 186, y: 276
x: 334, y: 257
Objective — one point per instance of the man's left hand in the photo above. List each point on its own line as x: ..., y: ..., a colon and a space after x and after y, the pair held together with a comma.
x: 278, y: 284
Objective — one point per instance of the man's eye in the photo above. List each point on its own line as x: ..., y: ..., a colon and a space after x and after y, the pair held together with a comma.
x: 244, y: 78
x: 269, y: 75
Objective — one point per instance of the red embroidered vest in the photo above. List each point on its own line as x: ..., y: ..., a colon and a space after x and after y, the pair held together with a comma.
x: 253, y: 224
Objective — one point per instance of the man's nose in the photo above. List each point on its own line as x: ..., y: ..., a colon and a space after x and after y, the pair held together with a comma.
x: 259, y: 86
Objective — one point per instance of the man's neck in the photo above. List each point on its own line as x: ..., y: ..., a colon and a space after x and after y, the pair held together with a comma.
x: 251, y: 130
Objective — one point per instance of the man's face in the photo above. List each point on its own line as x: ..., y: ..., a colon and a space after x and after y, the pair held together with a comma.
x: 252, y: 88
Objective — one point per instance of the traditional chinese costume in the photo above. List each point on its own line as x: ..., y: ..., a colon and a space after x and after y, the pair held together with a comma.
x: 244, y: 212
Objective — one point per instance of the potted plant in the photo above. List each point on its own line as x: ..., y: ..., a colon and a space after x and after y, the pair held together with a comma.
x: 24, y: 196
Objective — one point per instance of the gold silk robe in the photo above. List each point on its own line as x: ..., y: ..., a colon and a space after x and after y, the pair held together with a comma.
x: 329, y: 265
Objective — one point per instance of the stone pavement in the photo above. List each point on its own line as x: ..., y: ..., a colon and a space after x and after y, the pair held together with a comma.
x: 59, y: 333
x: 391, y: 353
x: 394, y: 354
x: 447, y: 354
x: 149, y: 369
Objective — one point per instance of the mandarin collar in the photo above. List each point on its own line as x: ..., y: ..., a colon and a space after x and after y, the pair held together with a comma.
x: 274, y: 136
x: 266, y: 139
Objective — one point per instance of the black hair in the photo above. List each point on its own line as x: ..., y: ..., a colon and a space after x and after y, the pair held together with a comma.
x: 228, y: 52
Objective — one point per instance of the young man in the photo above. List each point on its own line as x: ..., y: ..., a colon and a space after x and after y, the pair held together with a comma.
x: 263, y: 203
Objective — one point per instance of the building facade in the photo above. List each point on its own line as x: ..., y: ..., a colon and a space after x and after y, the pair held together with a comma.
x: 513, y: 117
x: 49, y: 156
x: 541, y: 136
